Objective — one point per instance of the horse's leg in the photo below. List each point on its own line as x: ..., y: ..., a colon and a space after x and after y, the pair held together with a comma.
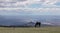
x: 35, y: 25
x: 39, y: 24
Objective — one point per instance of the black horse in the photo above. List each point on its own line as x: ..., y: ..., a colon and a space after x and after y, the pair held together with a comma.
x: 38, y: 24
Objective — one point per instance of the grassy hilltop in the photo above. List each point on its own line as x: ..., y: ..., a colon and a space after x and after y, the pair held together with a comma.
x: 30, y: 30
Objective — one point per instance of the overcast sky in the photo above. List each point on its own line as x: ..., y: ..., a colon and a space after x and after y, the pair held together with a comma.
x: 29, y: 7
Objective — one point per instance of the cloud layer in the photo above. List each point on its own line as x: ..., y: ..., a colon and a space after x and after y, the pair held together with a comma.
x: 30, y: 11
x: 26, y: 3
x: 33, y: 7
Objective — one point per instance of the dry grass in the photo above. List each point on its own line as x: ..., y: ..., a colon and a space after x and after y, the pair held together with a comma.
x: 30, y: 30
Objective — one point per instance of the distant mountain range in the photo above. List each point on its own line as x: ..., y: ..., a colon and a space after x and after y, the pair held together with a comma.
x: 32, y: 24
x: 24, y: 20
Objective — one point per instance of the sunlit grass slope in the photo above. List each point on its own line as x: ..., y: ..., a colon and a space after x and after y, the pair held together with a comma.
x: 30, y: 30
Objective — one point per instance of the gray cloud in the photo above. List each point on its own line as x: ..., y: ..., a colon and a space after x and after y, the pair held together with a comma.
x: 21, y: 0
x: 11, y: 3
x: 26, y: 3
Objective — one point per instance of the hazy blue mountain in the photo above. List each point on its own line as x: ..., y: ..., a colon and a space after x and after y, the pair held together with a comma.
x: 23, y: 19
